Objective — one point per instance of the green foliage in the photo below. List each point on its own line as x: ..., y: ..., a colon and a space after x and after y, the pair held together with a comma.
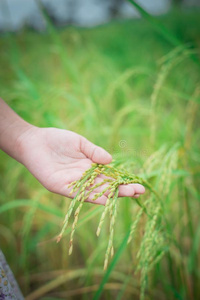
x: 127, y: 89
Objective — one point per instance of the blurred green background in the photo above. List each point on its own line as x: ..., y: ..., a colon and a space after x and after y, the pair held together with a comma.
x: 131, y: 87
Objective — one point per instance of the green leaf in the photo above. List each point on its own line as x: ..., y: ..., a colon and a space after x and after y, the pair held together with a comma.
x: 30, y: 203
x: 157, y: 25
x: 111, y: 266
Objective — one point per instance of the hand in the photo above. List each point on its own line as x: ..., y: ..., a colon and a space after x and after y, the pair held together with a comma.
x: 57, y: 157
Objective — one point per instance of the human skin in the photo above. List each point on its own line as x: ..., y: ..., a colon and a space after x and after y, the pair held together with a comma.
x: 56, y: 157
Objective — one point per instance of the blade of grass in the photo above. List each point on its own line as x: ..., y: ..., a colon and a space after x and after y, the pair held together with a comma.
x: 167, y: 34
x: 30, y: 203
x: 65, y: 277
x: 156, y: 24
x: 124, y: 287
x: 111, y: 266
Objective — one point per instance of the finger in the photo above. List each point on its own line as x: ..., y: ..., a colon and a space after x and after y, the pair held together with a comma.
x: 95, y: 153
x: 131, y: 190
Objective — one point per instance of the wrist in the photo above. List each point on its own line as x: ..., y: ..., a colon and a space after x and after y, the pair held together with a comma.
x: 26, y: 132
x: 13, y: 132
x: 12, y: 138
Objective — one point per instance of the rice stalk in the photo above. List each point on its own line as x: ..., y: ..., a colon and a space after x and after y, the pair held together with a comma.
x: 122, y: 79
x: 176, y: 56
x: 169, y: 164
x: 154, y: 160
x: 83, y: 197
x: 85, y: 185
x: 77, y: 184
x: 110, y: 248
x: 134, y: 225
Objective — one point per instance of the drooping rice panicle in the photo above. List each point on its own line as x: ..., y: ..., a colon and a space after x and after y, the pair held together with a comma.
x: 76, y: 214
x: 112, y: 223
x: 148, y: 234
x: 156, y: 260
x: 112, y: 191
x: 67, y: 216
x: 134, y: 225
x: 83, y: 197
x: 143, y: 282
x: 83, y: 179
x: 113, y: 179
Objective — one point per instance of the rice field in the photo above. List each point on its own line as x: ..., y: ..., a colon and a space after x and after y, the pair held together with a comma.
x: 133, y: 88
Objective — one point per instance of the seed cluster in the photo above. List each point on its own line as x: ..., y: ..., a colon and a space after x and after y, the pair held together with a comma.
x: 111, y: 178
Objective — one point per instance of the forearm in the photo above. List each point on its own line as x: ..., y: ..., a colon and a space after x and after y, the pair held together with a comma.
x: 12, y: 128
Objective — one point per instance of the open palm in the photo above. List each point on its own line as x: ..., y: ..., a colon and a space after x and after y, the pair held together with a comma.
x: 57, y: 157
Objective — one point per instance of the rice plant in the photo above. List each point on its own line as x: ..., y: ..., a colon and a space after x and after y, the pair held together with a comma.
x: 152, y: 243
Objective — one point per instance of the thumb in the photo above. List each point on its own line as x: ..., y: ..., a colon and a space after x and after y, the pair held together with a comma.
x: 95, y: 153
